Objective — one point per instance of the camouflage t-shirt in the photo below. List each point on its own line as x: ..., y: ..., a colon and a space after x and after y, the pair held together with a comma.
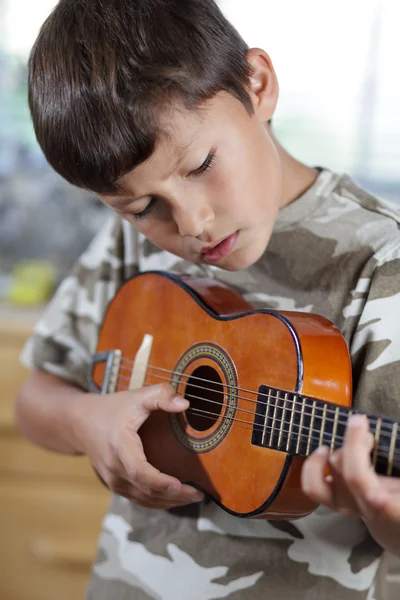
x: 335, y: 251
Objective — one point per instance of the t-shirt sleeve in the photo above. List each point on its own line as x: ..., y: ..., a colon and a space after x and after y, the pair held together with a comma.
x: 375, y: 343
x: 65, y: 337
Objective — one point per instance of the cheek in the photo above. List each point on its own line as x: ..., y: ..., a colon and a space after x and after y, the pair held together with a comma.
x: 164, y: 235
x: 249, y: 184
x: 266, y: 169
x: 251, y: 194
x: 146, y: 227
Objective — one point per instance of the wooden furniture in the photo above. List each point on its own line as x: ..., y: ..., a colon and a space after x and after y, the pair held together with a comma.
x: 51, y: 506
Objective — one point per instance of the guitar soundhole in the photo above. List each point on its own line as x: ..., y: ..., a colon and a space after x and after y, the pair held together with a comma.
x: 204, y: 390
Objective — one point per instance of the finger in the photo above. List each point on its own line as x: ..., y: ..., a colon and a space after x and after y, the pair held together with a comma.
x: 176, y: 491
x: 356, y: 468
x: 184, y: 491
x: 154, y: 499
x: 155, y: 503
x: 343, y: 499
x: 314, y: 482
x: 158, y: 397
x: 147, y: 478
x: 138, y: 497
x: 139, y: 471
x: 150, y: 500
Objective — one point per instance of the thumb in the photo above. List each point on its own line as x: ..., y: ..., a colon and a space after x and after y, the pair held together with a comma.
x: 162, y: 397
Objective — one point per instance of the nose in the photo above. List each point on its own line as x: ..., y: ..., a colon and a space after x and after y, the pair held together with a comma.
x: 192, y: 219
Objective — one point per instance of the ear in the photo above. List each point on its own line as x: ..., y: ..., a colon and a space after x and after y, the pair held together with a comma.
x: 264, y: 88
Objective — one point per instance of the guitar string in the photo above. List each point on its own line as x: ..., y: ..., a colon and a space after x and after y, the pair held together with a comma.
x: 331, y: 410
x: 289, y: 402
x: 272, y: 431
x: 259, y: 427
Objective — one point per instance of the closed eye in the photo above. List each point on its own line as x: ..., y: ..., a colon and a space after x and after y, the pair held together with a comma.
x: 147, y: 211
x: 207, y: 164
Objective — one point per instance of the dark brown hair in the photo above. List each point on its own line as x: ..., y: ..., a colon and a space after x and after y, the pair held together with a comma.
x: 102, y: 71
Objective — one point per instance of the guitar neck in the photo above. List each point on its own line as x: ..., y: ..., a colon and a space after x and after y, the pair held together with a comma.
x: 296, y: 424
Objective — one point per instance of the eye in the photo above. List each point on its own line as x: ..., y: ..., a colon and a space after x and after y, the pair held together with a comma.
x: 206, y: 166
x: 147, y: 211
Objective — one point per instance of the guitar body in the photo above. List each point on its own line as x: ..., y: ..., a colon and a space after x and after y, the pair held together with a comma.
x: 222, y: 355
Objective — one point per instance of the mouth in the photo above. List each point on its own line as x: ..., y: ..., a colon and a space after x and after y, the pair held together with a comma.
x: 220, y: 249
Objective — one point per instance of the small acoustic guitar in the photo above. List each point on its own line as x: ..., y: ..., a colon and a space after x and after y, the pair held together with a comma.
x: 265, y: 388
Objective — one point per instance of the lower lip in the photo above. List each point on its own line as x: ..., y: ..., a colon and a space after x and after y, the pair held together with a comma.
x: 222, y: 250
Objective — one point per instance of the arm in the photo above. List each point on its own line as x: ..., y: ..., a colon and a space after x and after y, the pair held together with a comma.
x: 44, y: 412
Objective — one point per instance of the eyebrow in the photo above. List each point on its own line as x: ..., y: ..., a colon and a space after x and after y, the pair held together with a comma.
x: 183, y: 150
x: 121, y: 202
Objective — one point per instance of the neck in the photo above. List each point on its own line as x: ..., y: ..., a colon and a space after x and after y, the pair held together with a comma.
x: 297, y: 424
x: 297, y: 177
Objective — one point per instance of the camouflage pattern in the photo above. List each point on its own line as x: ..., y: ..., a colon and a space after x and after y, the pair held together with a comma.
x: 336, y: 252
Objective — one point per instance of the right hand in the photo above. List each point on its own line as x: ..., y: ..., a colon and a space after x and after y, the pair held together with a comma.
x: 108, y: 435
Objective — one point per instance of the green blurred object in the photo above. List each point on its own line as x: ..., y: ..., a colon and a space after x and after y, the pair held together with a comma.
x: 32, y: 282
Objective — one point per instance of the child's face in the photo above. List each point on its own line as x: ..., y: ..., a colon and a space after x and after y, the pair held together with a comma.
x: 215, y: 179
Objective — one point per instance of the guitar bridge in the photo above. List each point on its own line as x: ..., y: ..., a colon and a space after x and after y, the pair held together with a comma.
x: 110, y: 379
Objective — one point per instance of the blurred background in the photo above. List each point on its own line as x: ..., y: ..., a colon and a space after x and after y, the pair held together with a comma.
x: 339, y: 107
x: 336, y: 62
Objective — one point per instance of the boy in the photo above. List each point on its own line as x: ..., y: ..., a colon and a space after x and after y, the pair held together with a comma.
x: 159, y: 108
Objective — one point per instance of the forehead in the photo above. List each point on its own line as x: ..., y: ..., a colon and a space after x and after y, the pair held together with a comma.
x: 180, y: 132
x: 185, y: 133
x: 180, y: 129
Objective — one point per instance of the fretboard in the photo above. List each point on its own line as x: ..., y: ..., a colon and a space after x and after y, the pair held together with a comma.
x: 296, y: 424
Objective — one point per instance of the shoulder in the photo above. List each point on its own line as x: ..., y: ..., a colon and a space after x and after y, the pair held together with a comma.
x: 114, y: 244
x: 356, y: 215
x: 346, y: 188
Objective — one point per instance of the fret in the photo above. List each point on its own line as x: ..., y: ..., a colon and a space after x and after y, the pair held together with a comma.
x: 396, y: 459
x: 282, y: 425
x: 306, y: 428
x: 376, y: 445
x: 274, y: 419
x: 311, y: 428
x: 341, y: 426
x: 392, y: 448
x: 291, y: 423
x: 301, y: 425
x: 266, y: 418
x: 260, y: 425
x: 321, y: 435
x: 335, y: 424
x: 380, y: 455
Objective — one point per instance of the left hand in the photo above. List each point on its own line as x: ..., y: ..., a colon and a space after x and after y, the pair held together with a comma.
x: 353, y: 487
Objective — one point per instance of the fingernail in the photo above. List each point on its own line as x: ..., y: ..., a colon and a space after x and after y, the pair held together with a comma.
x: 181, y: 402
x: 197, y: 496
x: 322, y: 450
x: 356, y: 420
x: 334, y: 459
x: 174, y: 488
